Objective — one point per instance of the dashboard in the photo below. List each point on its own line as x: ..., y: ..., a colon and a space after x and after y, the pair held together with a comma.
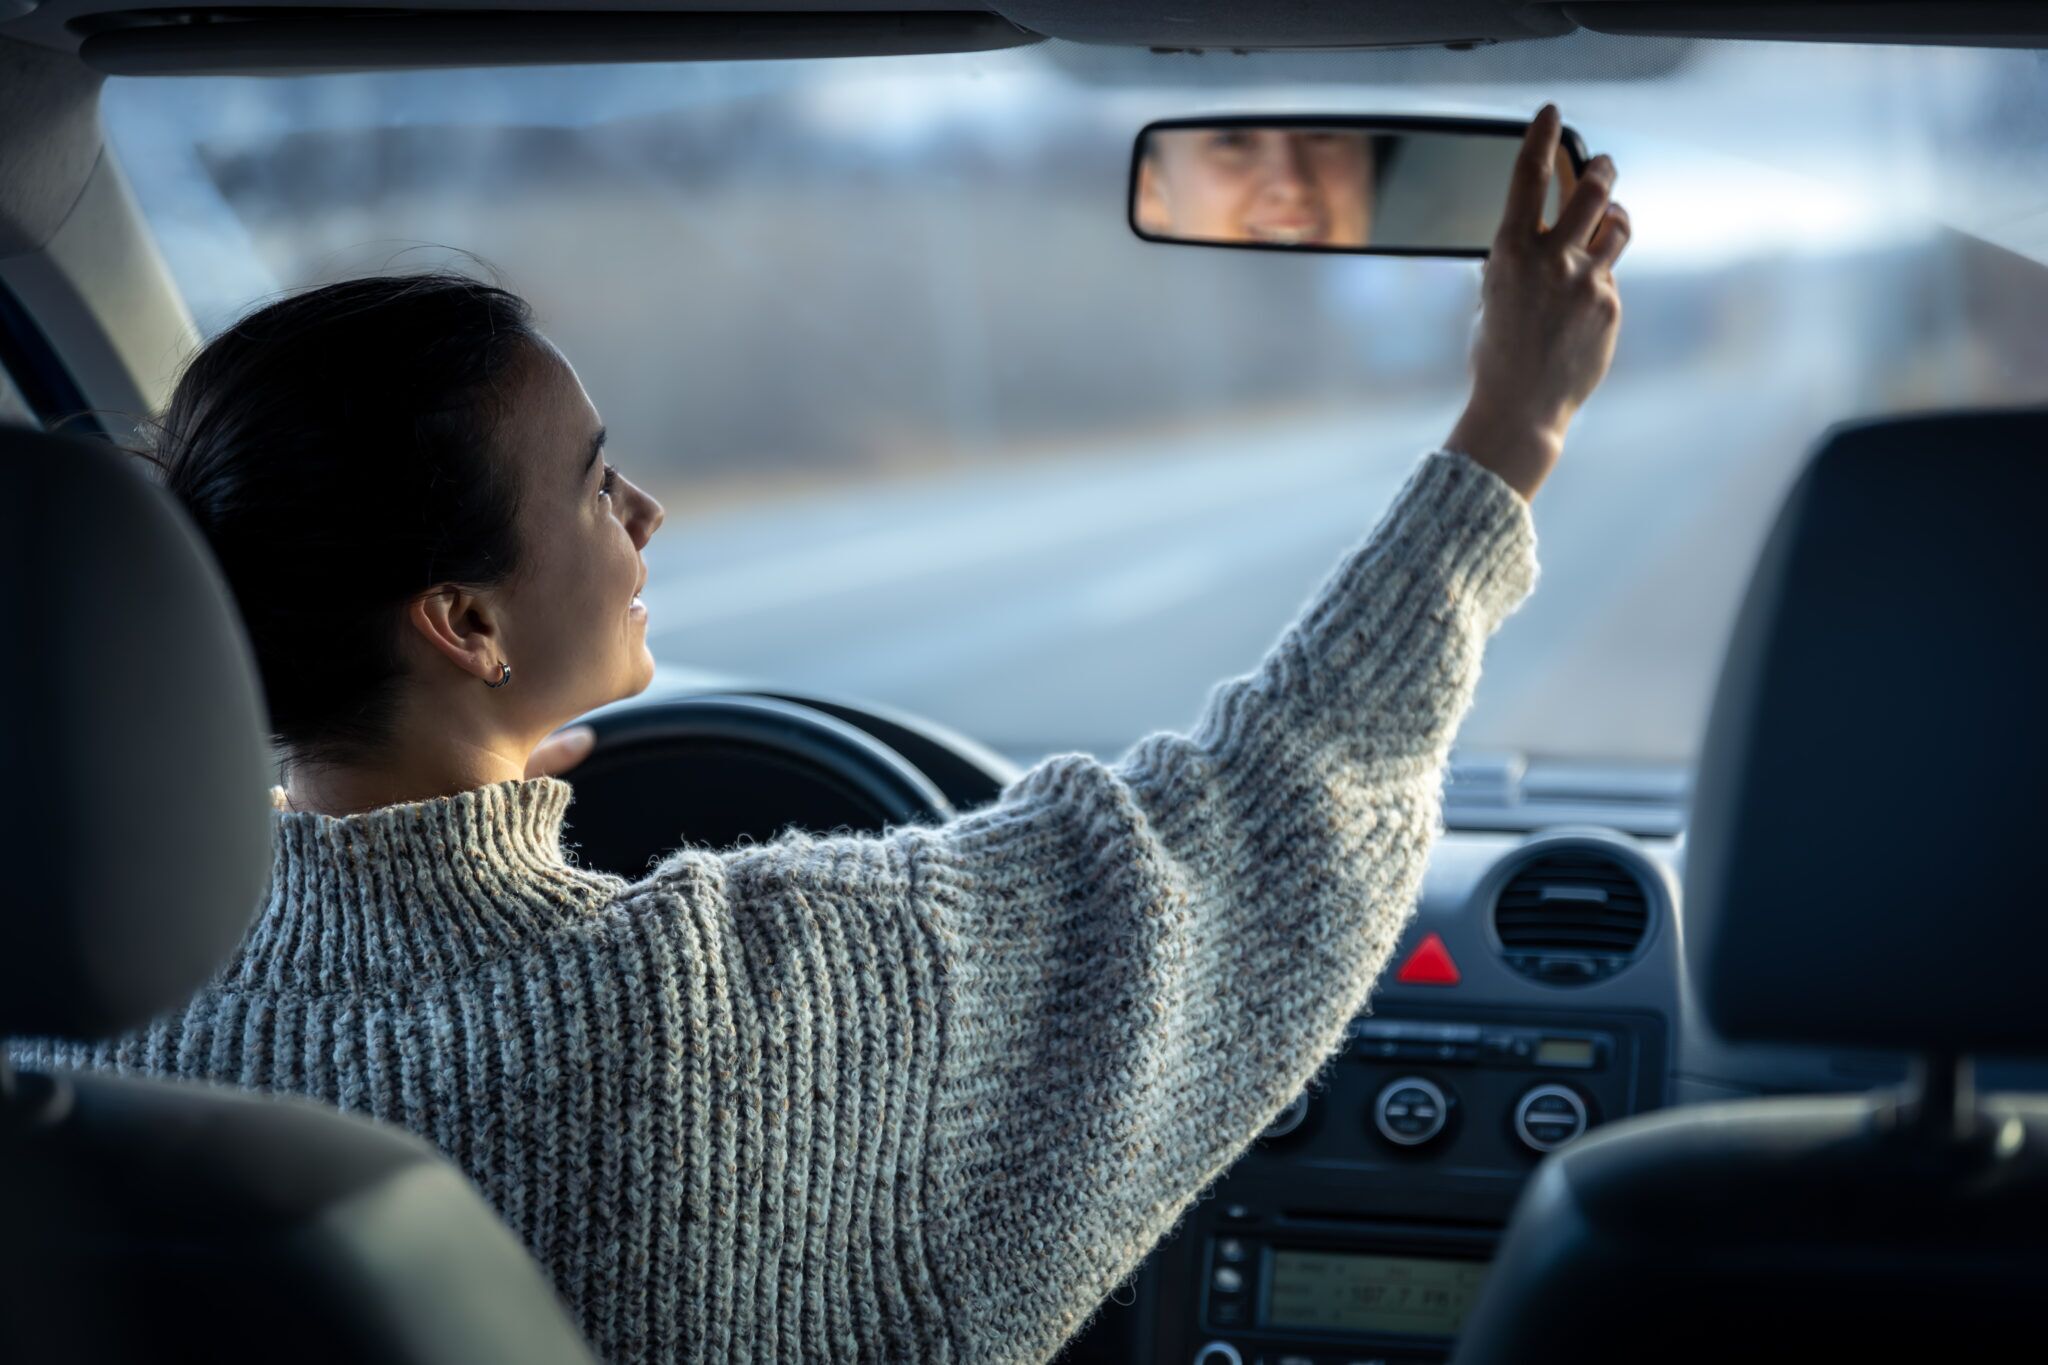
x: 1544, y: 994
x: 1535, y: 994
x: 1538, y: 992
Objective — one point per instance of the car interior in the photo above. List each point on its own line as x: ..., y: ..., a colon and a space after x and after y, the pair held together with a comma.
x: 1720, y: 1049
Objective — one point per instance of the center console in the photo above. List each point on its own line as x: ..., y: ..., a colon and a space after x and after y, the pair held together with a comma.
x: 1359, y: 1227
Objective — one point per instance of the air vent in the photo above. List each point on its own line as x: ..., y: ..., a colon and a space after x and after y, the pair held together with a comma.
x: 1572, y: 916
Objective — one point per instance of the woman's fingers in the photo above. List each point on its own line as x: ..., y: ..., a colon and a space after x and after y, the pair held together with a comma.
x: 1565, y: 177
x: 1529, y: 185
x: 1612, y: 237
x: 1549, y: 314
x: 1588, y: 204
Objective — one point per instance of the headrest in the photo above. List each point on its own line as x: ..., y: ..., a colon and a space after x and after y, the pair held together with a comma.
x: 1863, y: 866
x: 134, y: 809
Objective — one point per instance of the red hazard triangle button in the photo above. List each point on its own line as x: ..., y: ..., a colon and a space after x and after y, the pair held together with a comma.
x: 1429, y: 965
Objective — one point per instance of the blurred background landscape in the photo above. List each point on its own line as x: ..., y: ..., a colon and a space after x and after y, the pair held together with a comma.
x: 934, y: 429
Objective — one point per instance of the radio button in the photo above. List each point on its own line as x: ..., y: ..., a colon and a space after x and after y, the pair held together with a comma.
x: 1227, y: 1280
x: 1230, y: 1249
x: 1411, y: 1111
x: 1549, y: 1116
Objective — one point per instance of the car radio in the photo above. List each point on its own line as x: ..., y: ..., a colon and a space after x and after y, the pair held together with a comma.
x: 1359, y: 1226
x: 1290, y: 1294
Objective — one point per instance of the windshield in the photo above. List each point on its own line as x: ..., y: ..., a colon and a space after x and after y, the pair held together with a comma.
x: 935, y: 429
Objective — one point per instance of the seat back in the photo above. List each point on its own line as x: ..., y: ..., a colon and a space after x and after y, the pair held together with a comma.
x: 1783, y: 1229
x: 177, y: 1222
x: 1860, y: 872
x: 148, y: 1220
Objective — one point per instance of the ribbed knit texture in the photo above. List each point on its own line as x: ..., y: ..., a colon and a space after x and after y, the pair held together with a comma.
x: 921, y: 1097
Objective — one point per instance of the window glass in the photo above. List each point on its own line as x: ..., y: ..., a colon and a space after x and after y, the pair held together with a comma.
x: 935, y: 429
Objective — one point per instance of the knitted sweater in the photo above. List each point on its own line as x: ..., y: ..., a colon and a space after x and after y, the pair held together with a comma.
x: 927, y: 1096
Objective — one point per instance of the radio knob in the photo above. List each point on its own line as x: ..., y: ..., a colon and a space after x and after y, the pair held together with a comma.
x: 1218, y: 1353
x: 1549, y: 1116
x: 1410, y: 1111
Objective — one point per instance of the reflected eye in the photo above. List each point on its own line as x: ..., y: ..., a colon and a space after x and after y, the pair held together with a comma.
x: 604, y: 490
x: 1230, y: 140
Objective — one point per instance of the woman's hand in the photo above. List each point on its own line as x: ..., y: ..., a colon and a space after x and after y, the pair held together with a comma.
x: 561, y: 751
x: 1549, y: 311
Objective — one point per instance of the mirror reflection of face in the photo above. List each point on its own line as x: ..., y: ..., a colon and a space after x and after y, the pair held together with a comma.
x: 1283, y: 186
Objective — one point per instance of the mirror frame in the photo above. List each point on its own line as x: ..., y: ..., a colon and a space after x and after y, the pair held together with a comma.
x: 1574, y: 147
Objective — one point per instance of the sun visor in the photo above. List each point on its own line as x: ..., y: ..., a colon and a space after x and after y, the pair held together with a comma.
x: 306, y: 41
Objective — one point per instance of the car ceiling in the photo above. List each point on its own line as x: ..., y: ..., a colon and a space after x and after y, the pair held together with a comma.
x: 281, y: 36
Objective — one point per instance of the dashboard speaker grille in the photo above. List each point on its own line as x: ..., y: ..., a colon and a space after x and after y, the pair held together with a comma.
x: 1572, y: 916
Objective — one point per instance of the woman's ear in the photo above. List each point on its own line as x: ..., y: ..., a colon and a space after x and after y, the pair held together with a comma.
x: 461, y: 627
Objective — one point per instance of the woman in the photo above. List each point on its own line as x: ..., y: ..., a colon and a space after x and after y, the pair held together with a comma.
x: 921, y: 1097
x: 1280, y: 186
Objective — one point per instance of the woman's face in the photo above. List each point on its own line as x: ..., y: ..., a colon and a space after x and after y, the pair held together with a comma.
x: 1286, y: 186
x: 572, y: 623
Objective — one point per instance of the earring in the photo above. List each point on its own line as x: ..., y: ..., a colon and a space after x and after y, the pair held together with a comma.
x: 504, y: 676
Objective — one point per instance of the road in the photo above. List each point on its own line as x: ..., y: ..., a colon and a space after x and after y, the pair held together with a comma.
x: 1078, y: 601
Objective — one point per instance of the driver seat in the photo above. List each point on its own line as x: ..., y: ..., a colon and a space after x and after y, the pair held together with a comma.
x: 151, y: 1220
x: 1862, y: 872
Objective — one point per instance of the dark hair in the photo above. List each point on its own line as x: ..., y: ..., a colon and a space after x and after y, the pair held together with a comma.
x: 334, y: 449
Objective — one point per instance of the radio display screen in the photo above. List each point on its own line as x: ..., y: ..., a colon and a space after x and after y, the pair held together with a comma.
x: 1340, y: 1292
x: 1564, y: 1052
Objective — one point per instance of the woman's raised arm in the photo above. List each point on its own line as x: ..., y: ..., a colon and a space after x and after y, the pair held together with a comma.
x: 1025, y: 1040
x: 1140, y: 964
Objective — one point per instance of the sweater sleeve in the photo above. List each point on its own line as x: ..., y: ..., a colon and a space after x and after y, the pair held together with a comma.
x: 1141, y: 963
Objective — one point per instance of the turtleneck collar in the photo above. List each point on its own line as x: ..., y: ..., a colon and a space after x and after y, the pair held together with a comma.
x: 417, y: 890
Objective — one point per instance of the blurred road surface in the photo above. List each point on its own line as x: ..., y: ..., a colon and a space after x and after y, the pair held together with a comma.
x: 1078, y: 601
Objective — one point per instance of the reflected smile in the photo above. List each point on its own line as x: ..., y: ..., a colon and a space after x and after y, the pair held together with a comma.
x: 1285, y: 234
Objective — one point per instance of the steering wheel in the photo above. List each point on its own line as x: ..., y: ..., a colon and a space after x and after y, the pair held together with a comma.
x: 721, y: 769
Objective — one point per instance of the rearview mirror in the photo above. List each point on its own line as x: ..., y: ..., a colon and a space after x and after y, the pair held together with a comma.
x: 1368, y: 185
